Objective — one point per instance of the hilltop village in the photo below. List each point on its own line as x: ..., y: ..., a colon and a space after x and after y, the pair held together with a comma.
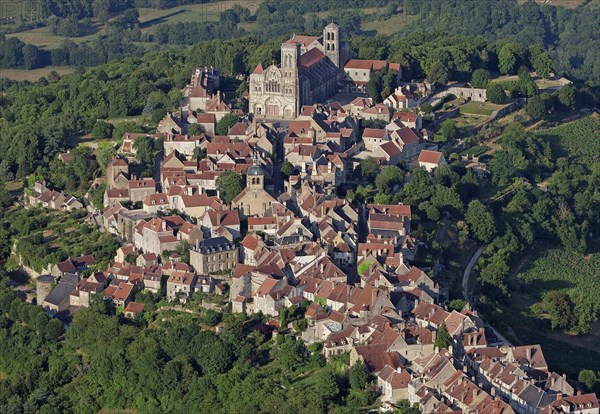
x: 257, y: 217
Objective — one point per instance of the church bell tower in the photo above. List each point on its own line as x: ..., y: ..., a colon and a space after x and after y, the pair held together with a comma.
x: 331, y: 42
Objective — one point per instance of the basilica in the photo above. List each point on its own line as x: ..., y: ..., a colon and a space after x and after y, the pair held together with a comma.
x: 310, y: 69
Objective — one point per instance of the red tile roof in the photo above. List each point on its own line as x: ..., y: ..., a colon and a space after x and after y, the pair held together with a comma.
x: 430, y: 157
x: 134, y: 307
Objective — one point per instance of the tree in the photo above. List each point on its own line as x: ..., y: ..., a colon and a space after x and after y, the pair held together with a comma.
x: 443, y: 340
x: 426, y: 108
x: 359, y: 376
x: 448, y: 129
x: 387, y: 179
x: 96, y: 196
x: 588, y: 378
x: 508, y: 58
x: 495, y: 272
x: 369, y: 167
x: 196, y: 129
x: 229, y: 185
x: 536, y: 107
x: 542, y: 64
x: 326, y: 385
x: 104, y: 155
x: 559, y: 306
x: 31, y: 56
x: 566, y: 96
x: 457, y: 304
x: 495, y: 93
x: 227, y: 122
x: 102, y: 129
x: 438, y: 73
x: 381, y: 198
x: 480, y: 78
x: 375, y: 86
x: 287, y: 169
x: 481, y: 221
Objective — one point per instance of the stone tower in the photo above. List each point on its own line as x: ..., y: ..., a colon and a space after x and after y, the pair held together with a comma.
x: 290, y: 61
x: 43, y: 286
x: 290, y: 56
x: 255, y: 177
x: 331, y: 43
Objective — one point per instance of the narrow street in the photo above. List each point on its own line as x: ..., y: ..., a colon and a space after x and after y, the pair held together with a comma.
x: 465, y: 290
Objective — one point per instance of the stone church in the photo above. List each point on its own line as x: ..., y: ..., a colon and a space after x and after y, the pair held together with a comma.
x: 309, y: 72
x: 254, y: 200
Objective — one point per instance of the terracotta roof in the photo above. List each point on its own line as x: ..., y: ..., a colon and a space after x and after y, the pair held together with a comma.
x: 373, y: 133
x: 407, y: 135
x: 365, y: 64
x: 117, y: 193
x: 430, y: 157
x: 258, y: 70
x: 144, y: 183
x: 311, y: 57
x: 134, y: 307
x: 267, y: 286
x: 204, y: 118
x: 302, y: 39
x: 391, y: 149
x: 250, y: 242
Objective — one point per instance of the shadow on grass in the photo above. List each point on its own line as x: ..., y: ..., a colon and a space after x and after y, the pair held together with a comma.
x: 161, y: 19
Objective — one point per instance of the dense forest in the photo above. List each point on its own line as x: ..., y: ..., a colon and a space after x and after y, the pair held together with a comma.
x: 167, y: 364
x: 550, y: 192
x: 511, y: 29
x: 571, y: 35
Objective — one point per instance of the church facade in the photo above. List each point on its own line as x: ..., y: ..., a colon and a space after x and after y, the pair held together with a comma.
x: 310, y: 69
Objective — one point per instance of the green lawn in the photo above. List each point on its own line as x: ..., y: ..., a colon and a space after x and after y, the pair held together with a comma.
x: 479, y: 108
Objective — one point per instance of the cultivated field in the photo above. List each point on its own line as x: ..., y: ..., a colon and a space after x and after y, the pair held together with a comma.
x: 151, y: 18
x: 578, y: 140
x: 553, y: 268
x: 34, y: 74
x: 390, y: 26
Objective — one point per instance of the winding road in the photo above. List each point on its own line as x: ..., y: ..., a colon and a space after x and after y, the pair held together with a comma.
x: 465, y: 290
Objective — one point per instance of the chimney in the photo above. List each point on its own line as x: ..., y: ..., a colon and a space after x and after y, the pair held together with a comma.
x: 164, y: 225
x: 493, y: 392
x: 528, y: 354
x: 189, y: 191
x: 475, y: 392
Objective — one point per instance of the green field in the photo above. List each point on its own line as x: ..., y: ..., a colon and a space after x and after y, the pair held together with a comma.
x: 554, y: 268
x: 479, y: 108
x: 150, y: 19
x: 579, y: 140
x: 390, y: 26
x: 42, y: 37
x: 33, y: 74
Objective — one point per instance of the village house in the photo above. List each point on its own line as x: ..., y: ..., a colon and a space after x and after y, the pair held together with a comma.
x: 212, y: 255
x: 358, y: 72
x: 180, y: 284
x: 41, y: 196
x: 429, y: 160
x: 140, y: 189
